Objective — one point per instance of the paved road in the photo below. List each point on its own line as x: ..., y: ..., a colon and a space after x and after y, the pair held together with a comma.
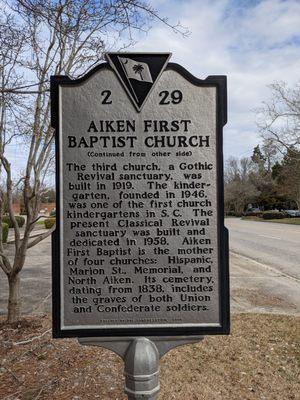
x: 264, y: 266
x: 270, y: 243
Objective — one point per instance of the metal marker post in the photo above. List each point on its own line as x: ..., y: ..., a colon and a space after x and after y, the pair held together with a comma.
x: 141, y: 370
x: 141, y: 357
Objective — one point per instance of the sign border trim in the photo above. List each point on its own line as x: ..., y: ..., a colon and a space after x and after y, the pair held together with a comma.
x: 218, y: 81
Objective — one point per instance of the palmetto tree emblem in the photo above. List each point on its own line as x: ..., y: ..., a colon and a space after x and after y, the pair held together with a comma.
x: 138, y: 69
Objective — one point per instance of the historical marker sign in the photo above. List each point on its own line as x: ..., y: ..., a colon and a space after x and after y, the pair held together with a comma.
x: 140, y: 247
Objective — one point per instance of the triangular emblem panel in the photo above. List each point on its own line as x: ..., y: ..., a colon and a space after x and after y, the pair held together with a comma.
x: 138, y: 73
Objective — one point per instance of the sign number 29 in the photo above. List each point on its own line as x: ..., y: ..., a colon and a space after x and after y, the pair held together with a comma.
x: 175, y: 97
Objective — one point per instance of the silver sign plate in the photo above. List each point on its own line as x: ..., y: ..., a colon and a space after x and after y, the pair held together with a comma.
x: 138, y: 205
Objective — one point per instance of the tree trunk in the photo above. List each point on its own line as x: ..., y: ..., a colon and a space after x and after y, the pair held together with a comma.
x: 239, y: 208
x: 14, y: 299
x: 297, y: 198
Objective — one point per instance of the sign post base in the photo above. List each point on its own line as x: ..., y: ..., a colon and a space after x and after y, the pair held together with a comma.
x: 141, y: 370
x: 141, y: 357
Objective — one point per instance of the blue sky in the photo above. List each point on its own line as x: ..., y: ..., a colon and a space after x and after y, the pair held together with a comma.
x: 253, y: 42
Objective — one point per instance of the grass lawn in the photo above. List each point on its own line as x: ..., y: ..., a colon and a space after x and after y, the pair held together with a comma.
x: 291, y: 221
x: 257, y: 361
x: 41, y: 222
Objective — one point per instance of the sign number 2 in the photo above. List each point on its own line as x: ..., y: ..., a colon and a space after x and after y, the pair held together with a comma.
x: 174, y: 97
x: 106, y: 97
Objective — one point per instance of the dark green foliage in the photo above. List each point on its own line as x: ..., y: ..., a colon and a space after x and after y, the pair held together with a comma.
x: 4, y: 232
x: 263, y: 183
x: 271, y: 200
x: 6, y: 220
x: 233, y: 214
x: 253, y: 214
x: 277, y: 171
x: 259, y: 159
x: 49, y: 222
x: 20, y: 221
x: 273, y: 215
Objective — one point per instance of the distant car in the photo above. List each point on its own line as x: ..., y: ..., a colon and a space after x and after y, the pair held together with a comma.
x: 292, y: 213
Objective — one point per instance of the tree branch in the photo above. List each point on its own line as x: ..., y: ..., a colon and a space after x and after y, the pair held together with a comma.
x: 41, y: 237
x: 5, y: 264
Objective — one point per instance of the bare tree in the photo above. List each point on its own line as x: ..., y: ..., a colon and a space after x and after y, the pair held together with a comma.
x: 279, y: 119
x: 12, y: 43
x: 65, y: 37
x: 279, y: 125
x: 239, y: 190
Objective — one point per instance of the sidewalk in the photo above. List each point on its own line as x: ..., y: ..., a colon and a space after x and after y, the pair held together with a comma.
x: 35, y: 279
x: 36, y: 232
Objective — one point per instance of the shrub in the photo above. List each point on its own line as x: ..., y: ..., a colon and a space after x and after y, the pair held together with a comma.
x: 49, y: 222
x: 273, y: 215
x: 258, y: 214
x: 4, y: 232
x: 232, y: 214
x: 6, y: 220
x: 20, y: 221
